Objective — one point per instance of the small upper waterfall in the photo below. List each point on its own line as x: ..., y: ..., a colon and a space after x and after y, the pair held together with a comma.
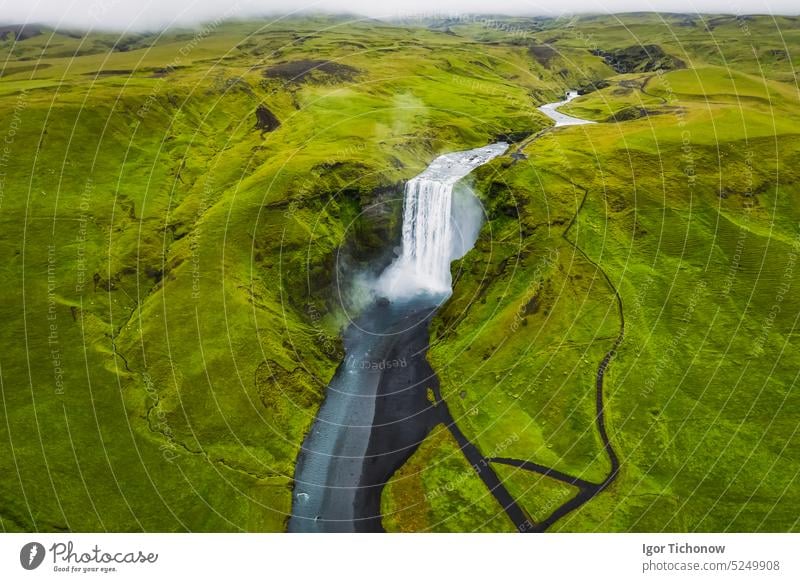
x: 432, y: 237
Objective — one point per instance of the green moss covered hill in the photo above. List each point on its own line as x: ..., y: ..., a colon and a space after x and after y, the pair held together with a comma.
x: 177, y: 208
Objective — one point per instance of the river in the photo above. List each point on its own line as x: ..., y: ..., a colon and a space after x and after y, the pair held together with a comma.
x: 378, y: 406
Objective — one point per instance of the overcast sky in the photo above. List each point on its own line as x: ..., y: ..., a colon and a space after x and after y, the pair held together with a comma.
x: 144, y: 14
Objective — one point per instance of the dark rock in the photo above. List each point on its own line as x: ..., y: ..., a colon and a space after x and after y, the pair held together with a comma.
x: 19, y: 32
x: 640, y: 59
x: 266, y: 120
x: 593, y: 86
x: 543, y: 54
x: 532, y: 307
x: 513, y: 136
x: 305, y: 70
x: 510, y: 210
x: 110, y: 73
x: 629, y: 114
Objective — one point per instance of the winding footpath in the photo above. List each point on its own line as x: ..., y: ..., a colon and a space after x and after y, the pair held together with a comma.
x: 586, y: 489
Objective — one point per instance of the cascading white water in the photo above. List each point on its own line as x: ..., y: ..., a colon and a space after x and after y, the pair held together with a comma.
x: 427, y: 231
x: 430, y: 241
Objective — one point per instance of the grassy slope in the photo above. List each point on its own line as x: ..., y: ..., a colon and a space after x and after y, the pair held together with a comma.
x: 194, y: 363
x: 195, y: 354
x: 700, y: 396
x: 446, y: 496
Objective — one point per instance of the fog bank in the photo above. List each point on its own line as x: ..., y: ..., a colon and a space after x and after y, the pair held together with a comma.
x: 150, y: 15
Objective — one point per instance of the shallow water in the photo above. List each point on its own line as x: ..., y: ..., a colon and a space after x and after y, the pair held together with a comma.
x: 561, y: 119
x: 381, y: 359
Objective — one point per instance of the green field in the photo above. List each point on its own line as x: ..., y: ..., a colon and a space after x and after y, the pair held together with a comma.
x: 171, y: 298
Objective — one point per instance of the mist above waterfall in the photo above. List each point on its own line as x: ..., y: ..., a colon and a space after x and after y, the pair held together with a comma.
x: 468, y: 215
x: 441, y: 221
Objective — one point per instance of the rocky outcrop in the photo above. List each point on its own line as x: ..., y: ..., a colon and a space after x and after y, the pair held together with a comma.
x: 306, y: 70
x: 640, y: 59
x: 266, y: 120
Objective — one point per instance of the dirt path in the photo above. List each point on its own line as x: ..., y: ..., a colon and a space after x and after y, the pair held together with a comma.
x: 586, y: 490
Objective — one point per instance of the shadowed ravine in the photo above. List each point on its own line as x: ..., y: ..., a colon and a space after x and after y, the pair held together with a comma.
x: 384, y: 398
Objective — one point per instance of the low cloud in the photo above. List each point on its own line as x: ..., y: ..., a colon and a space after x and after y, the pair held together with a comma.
x: 156, y: 14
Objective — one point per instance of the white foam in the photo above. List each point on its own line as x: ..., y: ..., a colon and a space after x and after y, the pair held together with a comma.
x: 429, y: 233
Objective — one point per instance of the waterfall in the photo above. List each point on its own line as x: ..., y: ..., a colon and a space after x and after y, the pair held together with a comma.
x: 427, y: 231
x: 430, y: 232
x: 334, y: 481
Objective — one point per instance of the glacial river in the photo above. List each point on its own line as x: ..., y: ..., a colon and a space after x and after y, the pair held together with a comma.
x: 377, y: 408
